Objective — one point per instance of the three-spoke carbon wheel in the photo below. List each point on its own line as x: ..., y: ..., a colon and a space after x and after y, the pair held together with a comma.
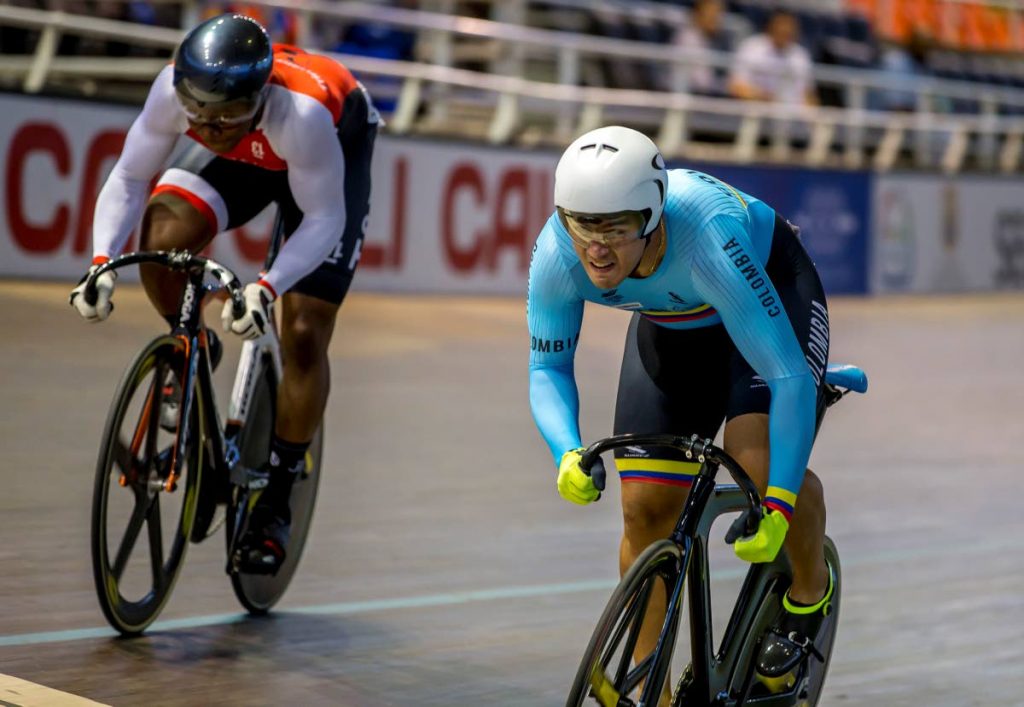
x: 259, y: 593
x: 804, y: 686
x: 813, y: 682
x: 609, y: 671
x: 141, y: 517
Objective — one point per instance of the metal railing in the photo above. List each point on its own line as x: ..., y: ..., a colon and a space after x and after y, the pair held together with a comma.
x: 511, y: 103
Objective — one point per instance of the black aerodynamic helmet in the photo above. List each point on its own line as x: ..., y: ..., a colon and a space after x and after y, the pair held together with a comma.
x: 226, y: 58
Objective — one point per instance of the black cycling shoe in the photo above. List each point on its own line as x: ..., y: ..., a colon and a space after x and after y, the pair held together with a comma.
x: 791, y: 639
x: 263, y: 548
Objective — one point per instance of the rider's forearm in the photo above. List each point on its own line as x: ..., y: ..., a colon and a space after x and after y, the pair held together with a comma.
x: 303, y: 252
x: 791, y: 423
x: 555, y: 404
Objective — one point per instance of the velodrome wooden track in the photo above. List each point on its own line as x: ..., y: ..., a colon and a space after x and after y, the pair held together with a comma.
x: 443, y: 568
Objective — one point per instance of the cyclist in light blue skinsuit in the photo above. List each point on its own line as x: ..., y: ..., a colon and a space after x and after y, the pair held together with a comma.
x: 730, y: 324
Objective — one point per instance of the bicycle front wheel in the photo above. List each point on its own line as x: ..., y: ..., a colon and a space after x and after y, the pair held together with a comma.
x: 610, y: 673
x: 134, y: 489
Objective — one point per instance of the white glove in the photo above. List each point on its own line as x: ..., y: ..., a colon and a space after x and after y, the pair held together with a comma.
x: 252, y: 324
x: 104, y: 290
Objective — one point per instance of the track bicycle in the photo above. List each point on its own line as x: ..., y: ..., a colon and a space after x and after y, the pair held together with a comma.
x: 612, y: 676
x: 168, y: 464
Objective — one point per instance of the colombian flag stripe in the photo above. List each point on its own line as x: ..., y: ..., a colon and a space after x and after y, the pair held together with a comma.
x: 655, y: 477
x: 780, y: 506
x: 692, y: 315
x: 787, y: 497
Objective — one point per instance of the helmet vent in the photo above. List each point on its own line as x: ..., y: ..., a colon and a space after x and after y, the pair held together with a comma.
x: 602, y: 146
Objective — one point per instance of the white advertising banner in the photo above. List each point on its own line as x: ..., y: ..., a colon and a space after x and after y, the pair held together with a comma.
x: 444, y: 217
x: 947, y: 234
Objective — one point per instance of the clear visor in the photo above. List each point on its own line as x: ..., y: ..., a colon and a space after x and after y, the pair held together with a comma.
x: 227, y: 114
x: 612, y: 230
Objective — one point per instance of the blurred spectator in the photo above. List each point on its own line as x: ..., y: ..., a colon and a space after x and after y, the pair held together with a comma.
x: 908, y: 62
x: 704, y: 33
x: 772, y: 66
x: 18, y: 40
x: 281, y: 24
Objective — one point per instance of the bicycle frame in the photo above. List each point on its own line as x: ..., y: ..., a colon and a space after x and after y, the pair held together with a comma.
x: 247, y: 375
x: 714, y: 671
x: 198, y: 378
x: 250, y: 362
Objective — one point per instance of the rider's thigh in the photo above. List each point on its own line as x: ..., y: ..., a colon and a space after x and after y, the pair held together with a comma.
x: 172, y: 223
x: 746, y: 441
x: 307, y: 324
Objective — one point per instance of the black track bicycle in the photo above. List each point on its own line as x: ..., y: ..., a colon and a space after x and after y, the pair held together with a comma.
x: 170, y: 473
x: 612, y: 676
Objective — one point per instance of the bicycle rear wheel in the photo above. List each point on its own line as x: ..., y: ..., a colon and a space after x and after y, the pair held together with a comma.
x: 259, y: 593
x: 613, y: 641
x: 803, y: 688
x: 813, y: 682
x: 134, y: 580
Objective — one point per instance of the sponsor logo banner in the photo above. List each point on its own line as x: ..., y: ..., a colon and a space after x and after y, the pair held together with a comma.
x: 444, y: 217
x: 830, y: 207
x: 939, y: 234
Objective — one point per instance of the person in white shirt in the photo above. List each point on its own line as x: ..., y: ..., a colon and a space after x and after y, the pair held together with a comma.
x: 702, y: 33
x: 772, y: 66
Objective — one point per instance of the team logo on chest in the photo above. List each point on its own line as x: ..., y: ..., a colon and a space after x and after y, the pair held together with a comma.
x: 257, y: 150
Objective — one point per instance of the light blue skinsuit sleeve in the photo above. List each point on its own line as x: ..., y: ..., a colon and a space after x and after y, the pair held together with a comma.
x: 554, y: 313
x: 727, y: 273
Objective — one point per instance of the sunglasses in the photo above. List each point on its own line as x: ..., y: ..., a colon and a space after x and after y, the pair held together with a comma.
x: 208, y: 116
x: 611, y: 230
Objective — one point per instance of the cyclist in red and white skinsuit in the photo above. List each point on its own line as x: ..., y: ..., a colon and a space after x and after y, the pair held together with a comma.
x: 270, y: 123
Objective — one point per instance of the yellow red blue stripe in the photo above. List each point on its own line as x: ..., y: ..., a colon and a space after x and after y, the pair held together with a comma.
x: 781, y: 500
x: 657, y: 471
x: 690, y: 315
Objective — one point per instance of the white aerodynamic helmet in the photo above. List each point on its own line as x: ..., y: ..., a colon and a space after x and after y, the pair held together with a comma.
x: 609, y: 170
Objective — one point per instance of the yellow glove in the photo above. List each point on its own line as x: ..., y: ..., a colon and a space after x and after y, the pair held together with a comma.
x: 576, y: 485
x: 765, y: 544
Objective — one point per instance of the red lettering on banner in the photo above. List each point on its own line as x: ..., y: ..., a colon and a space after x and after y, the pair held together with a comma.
x: 543, y: 201
x: 104, y: 146
x: 509, y: 233
x: 378, y: 255
x: 464, y: 176
x: 34, y: 137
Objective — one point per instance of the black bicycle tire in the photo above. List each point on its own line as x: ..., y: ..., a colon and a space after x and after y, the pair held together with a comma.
x: 832, y: 555
x: 145, y: 611
x: 770, y: 604
x: 632, y: 581
x: 259, y: 593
